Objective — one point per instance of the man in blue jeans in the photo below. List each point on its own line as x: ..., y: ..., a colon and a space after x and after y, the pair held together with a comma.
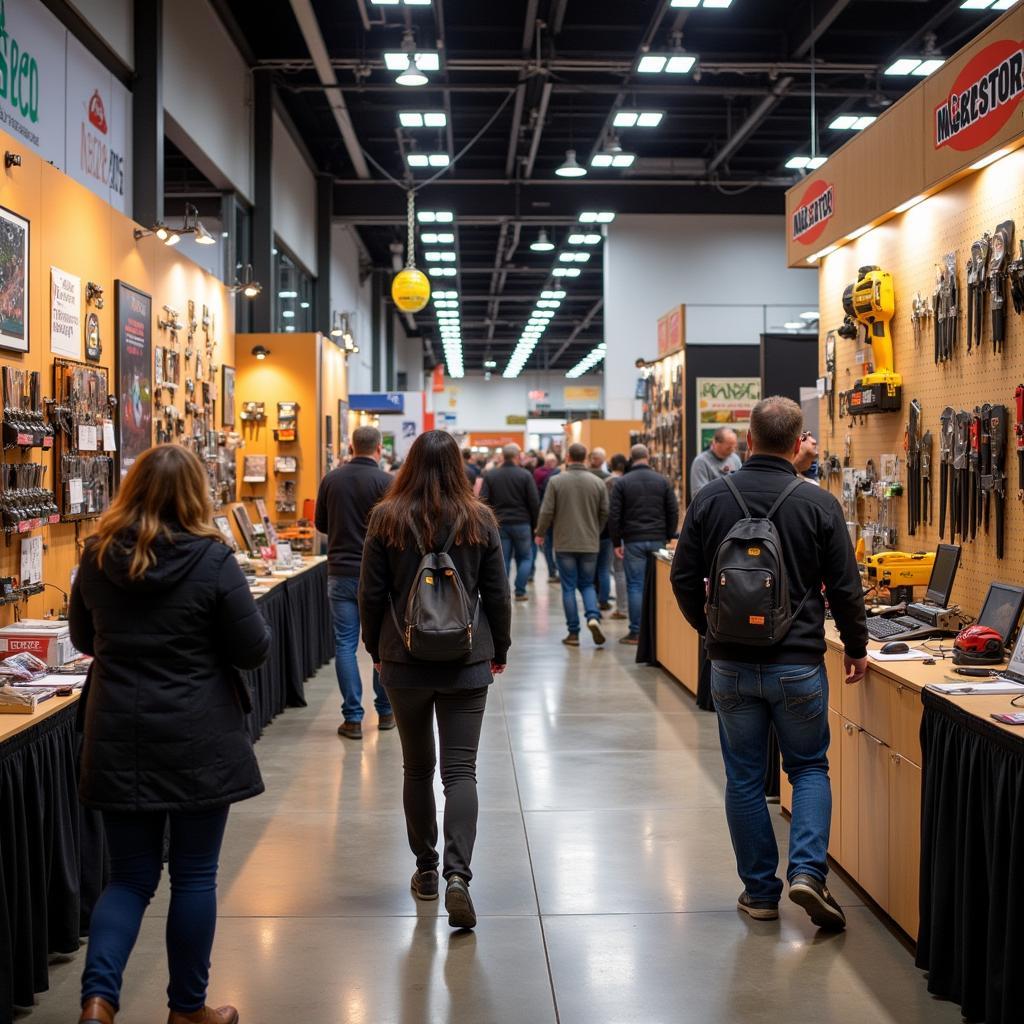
x: 575, y: 508
x: 343, y: 505
x: 509, y: 490
x: 644, y: 515
x: 783, y: 684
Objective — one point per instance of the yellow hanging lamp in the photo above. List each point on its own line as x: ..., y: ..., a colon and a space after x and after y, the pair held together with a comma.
x: 410, y: 288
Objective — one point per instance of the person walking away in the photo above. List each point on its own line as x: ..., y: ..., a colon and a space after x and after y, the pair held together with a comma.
x: 644, y: 515
x: 617, y: 464
x: 717, y: 460
x: 472, y: 469
x: 511, y: 493
x: 603, y: 573
x: 541, y: 476
x: 575, y: 509
x: 166, y: 613
x: 431, y: 508
x: 343, y: 505
x: 781, y: 683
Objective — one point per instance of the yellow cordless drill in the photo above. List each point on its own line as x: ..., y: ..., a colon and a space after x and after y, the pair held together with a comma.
x: 870, y: 301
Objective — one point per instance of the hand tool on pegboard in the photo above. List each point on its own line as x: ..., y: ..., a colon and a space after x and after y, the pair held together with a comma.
x: 926, y: 475
x: 830, y: 376
x: 977, y: 268
x: 1018, y: 432
x: 997, y: 432
x: 974, y: 457
x: 961, y: 476
x: 912, y: 447
x: 1001, y: 252
x: 1015, y: 273
x: 985, y: 479
x: 946, y: 429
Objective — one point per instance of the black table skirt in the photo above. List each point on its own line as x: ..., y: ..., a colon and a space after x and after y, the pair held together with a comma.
x: 971, y: 940
x: 52, y: 851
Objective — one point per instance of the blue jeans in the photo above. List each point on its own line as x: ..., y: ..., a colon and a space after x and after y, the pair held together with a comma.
x: 576, y: 572
x: 343, y: 591
x: 603, y: 573
x: 517, y: 539
x: 136, y: 843
x: 635, y: 563
x: 549, y: 554
x: 793, y: 698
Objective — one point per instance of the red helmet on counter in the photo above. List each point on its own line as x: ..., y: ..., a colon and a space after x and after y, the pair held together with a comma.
x: 978, y: 645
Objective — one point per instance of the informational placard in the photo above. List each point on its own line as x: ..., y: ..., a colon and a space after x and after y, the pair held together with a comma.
x: 65, y: 314
x: 31, y: 560
x: 134, y: 318
x: 724, y: 402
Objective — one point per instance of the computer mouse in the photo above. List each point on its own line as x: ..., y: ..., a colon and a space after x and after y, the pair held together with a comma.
x: 895, y: 647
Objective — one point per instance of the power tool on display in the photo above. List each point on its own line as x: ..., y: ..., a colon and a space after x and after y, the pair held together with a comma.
x: 870, y: 301
x: 899, y: 571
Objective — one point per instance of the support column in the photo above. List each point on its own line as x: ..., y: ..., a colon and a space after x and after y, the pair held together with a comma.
x: 148, y: 114
x: 389, y: 351
x: 322, y: 307
x: 262, y: 213
x: 376, y: 309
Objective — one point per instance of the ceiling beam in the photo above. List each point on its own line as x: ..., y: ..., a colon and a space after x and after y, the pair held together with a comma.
x: 310, y: 27
x: 751, y: 124
x: 580, y: 328
x: 558, y: 15
x: 821, y: 26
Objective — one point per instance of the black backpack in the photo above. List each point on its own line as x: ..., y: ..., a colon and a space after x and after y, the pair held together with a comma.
x: 439, y: 616
x: 748, y: 588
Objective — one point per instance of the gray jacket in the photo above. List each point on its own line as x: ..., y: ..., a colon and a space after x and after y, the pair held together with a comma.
x: 576, y: 505
x: 707, y: 467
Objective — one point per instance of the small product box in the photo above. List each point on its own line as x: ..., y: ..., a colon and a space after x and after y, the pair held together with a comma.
x: 49, y: 640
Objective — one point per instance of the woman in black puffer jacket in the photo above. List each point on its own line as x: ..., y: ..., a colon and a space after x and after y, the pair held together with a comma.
x: 164, y: 608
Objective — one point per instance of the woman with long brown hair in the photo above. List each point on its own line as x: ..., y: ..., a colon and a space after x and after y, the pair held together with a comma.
x: 163, y: 607
x: 431, y: 508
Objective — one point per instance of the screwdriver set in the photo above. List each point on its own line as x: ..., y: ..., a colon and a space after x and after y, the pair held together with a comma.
x: 24, y: 503
x: 24, y: 426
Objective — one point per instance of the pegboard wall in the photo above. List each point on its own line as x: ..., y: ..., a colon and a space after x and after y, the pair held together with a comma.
x: 911, y: 247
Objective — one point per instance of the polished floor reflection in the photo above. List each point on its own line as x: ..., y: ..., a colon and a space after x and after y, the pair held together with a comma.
x: 604, y: 876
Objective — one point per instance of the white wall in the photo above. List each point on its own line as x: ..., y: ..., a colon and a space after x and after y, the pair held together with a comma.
x: 348, y: 296
x: 482, y: 405
x: 112, y: 21
x: 207, y: 89
x: 725, y: 269
x: 294, y: 211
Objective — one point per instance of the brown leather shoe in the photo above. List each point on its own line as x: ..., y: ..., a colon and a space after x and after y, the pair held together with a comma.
x: 97, y: 1011
x: 351, y: 730
x: 207, y: 1015
x: 618, y: 615
x: 386, y: 722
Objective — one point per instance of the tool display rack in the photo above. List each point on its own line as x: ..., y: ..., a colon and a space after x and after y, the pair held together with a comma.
x: 664, y: 420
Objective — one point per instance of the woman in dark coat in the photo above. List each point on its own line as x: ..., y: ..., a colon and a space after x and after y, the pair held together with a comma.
x: 430, y: 503
x: 164, y: 608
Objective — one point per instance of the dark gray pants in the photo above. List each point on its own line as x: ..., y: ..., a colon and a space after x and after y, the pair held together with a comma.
x: 460, y: 715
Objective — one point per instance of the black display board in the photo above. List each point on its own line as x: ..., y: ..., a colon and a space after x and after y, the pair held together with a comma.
x: 133, y: 313
x: 713, y: 361
x: 789, y: 362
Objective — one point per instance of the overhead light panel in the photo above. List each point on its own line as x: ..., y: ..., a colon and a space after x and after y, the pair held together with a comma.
x: 552, y: 295
x: 435, y: 216
x: 425, y: 60
x: 438, y: 256
x: 395, y: 3
x: 566, y: 272
x: 926, y: 67
x: 574, y: 257
x: 638, y: 119
x: 422, y: 119
x: 597, y: 217
x: 570, y: 168
x: 437, y: 238
x: 811, y: 314
x: 917, y: 66
x: 602, y: 160
x: 581, y: 239
x: 666, y: 63
x: 442, y: 271
x: 852, y: 122
x: 588, y: 362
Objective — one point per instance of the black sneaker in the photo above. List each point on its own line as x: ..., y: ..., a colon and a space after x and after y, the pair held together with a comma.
x: 807, y: 892
x: 424, y: 885
x: 759, y: 910
x: 457, y: 902
x: 595, y: 631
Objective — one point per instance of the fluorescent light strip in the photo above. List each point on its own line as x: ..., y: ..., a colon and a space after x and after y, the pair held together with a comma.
x: 589, y: 361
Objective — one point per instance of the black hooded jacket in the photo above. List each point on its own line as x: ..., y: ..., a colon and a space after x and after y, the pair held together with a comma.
x: 163, y: 720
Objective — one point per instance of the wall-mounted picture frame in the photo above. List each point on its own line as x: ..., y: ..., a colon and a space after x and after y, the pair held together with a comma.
x: 133, y: 314
x: 14, y: 281
x: 227, y: 405
x: 222, y: 524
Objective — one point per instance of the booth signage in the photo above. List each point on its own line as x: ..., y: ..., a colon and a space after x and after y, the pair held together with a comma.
x: 724, y: 402
x: 983, y: 97
x: 495, y: 440
x: 378, y: 401
x: 816, y: 208
x: 582, y: 393
x: 65, y: 314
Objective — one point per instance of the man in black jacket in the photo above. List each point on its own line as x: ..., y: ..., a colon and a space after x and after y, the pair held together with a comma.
x: 342, y: 509
x: 785, y: 684
x: 510, y: 491
x: 644, y: 515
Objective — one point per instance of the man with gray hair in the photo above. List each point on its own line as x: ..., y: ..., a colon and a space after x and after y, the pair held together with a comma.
x: 510, y: 491
x: 644, y: 515
x: 720, y: 458
x: 783, y: 683
x: 343, y: 504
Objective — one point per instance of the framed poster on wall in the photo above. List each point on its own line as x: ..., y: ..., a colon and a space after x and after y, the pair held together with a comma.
x: 14, y: 282
x: 133, y: 313
x: 724, y: 402
x: 227, y: 405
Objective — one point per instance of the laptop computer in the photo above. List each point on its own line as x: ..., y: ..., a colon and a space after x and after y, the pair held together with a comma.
x: 1014, y: 671
x: 1002, y: 609
x: 920, y: 618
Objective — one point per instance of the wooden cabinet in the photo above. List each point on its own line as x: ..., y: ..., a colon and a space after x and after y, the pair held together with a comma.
x: 873, y: 817
x: 904, y: 842
x: 868, y: 703
x: 677, y: 646
x: 906, y: 711
x: 835, y: 773
x: 849, y: 783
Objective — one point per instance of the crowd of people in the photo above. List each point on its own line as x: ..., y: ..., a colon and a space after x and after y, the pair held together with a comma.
x: 419, y: 571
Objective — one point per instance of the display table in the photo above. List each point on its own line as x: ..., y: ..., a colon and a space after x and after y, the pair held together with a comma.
x: 972, y: 848
x: 52, y: 849
x: 667, y: 639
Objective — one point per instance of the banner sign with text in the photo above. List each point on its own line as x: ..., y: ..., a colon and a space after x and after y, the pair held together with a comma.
x: 725, y: 402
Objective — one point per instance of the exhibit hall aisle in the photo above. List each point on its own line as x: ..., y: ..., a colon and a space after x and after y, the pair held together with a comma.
x: 604, y: 876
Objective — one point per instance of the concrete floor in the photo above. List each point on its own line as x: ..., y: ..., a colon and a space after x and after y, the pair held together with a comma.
x: 605, y: 880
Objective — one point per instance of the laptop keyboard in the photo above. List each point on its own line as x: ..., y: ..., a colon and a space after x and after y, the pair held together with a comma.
x: 883, y: 629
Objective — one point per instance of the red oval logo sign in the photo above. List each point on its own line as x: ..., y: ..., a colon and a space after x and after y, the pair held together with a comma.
x: 816, y: 208
x: 97, y: 115
x: 983, y: 98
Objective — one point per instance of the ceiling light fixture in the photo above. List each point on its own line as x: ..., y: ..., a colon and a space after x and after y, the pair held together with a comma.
x: 811, y: 314
x: 589, y: 361
x: 666, y: 63
x: 596, y: 217
x: 435, y: 216
x: 437, y: 238
x: 638, y: 118
x: 587, y: 239
x: 422, y: 119
x: 852, y: 122
x: 990, y: 159
x: 247, y: 286
x: 260, y: 352
x: 570, y: 169
x: 917, y: 66
x: 542, y: 243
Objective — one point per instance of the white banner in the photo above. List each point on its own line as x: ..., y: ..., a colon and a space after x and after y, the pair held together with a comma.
x: 65, y: 314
